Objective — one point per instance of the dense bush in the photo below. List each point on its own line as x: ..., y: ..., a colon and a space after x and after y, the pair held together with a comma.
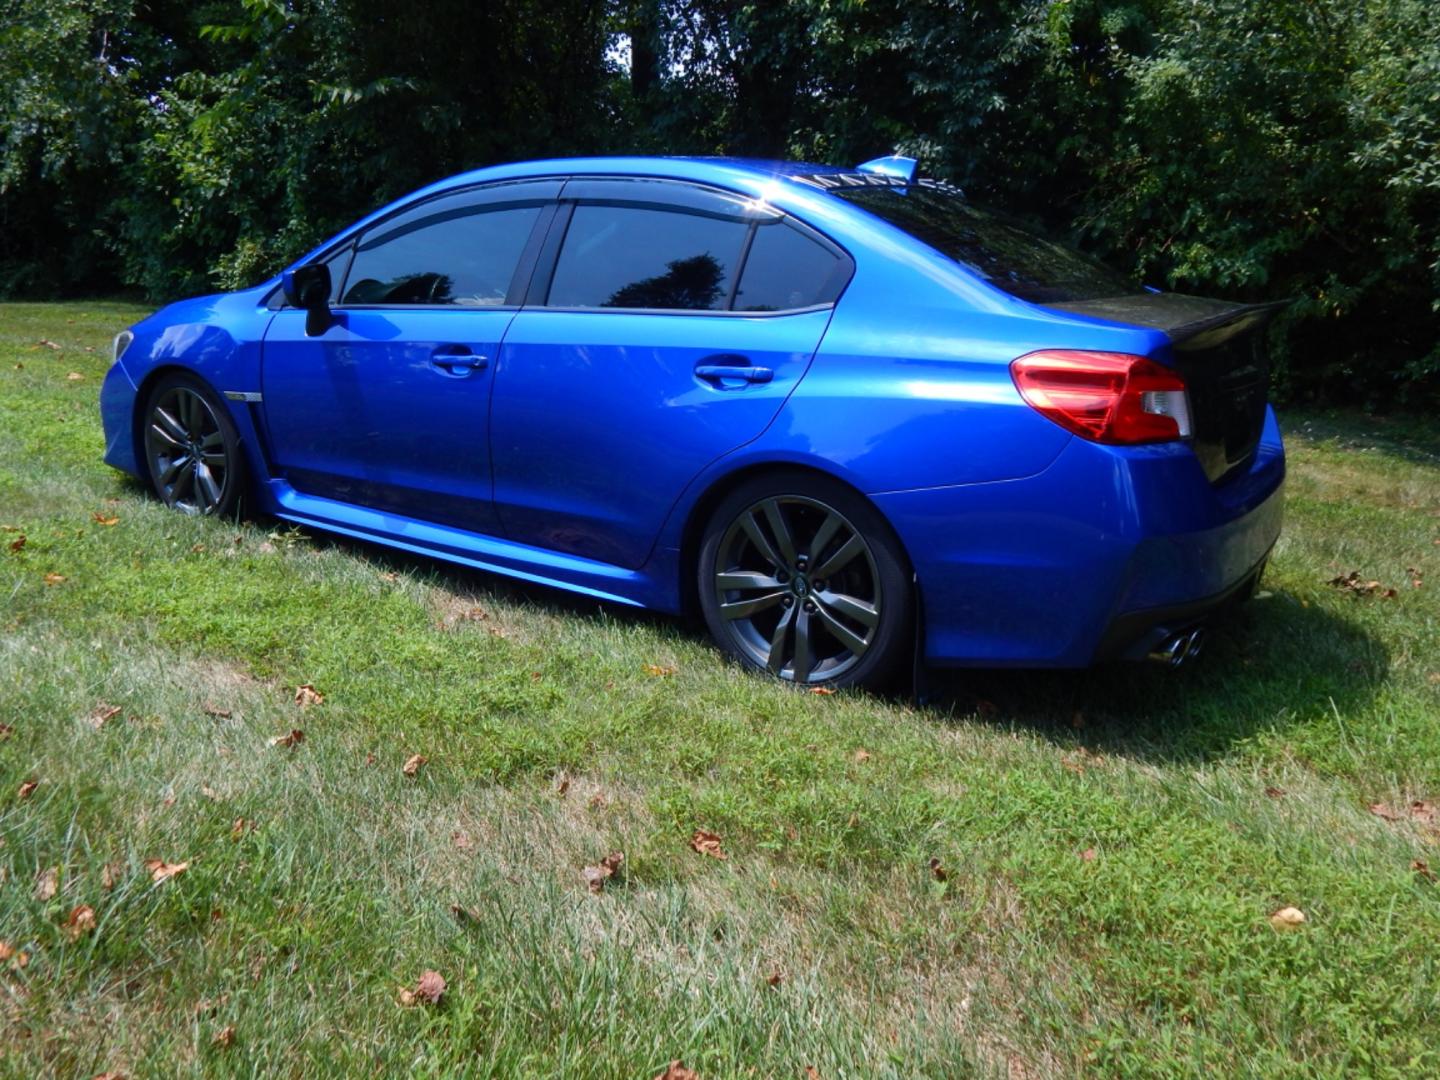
x: 1248, y: 148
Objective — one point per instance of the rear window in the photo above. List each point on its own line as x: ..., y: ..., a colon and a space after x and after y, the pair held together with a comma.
x: 1006, y: 253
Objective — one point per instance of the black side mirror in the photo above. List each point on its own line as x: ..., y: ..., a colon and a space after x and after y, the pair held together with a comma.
x: 308, y: 287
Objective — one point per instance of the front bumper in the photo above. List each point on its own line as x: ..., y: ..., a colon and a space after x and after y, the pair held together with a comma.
x: 1039, y: 572
x: 117, y: 417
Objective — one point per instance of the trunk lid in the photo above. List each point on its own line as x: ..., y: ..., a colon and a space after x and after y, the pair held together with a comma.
x: 1217, y: 348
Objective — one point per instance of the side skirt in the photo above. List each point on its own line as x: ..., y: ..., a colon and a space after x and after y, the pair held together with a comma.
x: 603, y: 581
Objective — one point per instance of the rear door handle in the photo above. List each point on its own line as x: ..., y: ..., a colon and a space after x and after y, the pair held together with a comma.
x: 719, y: 374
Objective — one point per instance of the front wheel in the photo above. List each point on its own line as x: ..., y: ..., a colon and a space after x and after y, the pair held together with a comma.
x: 801, y: 577
x: 192, y: 448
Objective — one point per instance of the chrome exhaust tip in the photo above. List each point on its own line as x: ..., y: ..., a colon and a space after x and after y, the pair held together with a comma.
x: 1176, y: 649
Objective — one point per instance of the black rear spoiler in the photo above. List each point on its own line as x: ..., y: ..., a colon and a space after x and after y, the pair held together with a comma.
x: 1191, y: 322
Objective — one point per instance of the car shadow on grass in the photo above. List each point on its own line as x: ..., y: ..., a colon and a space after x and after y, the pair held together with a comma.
x: 1272, y: 663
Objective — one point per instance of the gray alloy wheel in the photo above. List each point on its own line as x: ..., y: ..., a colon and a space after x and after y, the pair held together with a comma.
x: 191, y: 450
x: 797, y: 589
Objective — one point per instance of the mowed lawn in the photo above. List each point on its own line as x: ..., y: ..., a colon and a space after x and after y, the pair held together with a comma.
x: 1031, y: 875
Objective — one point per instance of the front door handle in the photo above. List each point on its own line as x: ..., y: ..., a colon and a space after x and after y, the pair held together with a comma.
x: 459, y: 365
x: 720, y: 374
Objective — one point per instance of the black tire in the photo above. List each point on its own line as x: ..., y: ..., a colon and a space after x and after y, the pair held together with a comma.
x: 192, y: 450
x: 762, y: 590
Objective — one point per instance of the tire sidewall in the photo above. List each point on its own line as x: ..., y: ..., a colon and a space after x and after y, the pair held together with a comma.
x: 895, y: 632
x: 238, y: 479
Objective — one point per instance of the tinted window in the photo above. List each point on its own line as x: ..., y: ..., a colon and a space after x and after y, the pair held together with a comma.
x: 638, y: 257
x: 338, y: 264
x: 786, y: 269
x: 449, y: 252
x: 1009, y: 255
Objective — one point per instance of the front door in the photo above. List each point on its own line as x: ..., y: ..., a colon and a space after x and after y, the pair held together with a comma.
x: 389, y: 408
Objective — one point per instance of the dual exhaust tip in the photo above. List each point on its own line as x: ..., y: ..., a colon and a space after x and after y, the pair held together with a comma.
x: 1177, y: 649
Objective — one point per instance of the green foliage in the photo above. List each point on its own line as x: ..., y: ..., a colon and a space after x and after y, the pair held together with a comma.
x: 1286, y: 148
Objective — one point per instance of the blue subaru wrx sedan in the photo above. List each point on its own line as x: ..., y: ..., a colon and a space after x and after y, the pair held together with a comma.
x: 845, y: 414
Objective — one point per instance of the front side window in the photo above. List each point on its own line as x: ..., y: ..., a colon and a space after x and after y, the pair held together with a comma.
x: 644, y: 257
x: 450, y: 252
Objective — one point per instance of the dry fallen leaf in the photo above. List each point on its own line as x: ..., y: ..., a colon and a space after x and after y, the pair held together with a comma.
x: 707, y: 843
x: 658, y: 671
x: 1088, y: 855
x: 464, y: 914
x: 106, y: 520
x: 1275, y: 792
x: 1418, y: 811
x: 812, y: 1073
x: 461, y: 840
x: 823, y: 691
x: 224, y: 1037
x: 110, y: 874
x: 6, y: 731
x: 1356, y: 586
x: 862, y: 756
x: 17, y: 545
x: 563, y: 786
x: 596, y: 876
x: 774, y: 979
x: 430, y: 987
x: 676, y: 1071
x: 80, y: 921
x: 937, y: 871
x: 239, y: 827
x: 308, y: 695
x: 48, y: 344
x: 1287, y: 918
x: 47, y: 883
x: 295, y: 738
x: 160, y: 870
x: 74, y: 376
x: 412, y: 766
x: 101, y: 714
x: 1422, y: 868
x: 215, y: 711
x: 54, y: 579
x: 28, y: 788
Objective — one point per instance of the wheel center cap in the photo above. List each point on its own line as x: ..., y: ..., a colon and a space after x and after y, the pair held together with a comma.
x: 799, y: 585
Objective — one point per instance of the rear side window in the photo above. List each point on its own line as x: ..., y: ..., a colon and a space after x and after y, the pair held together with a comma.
x: 1006, y: 253
x: 451, y: 253
x: 787, y: 269
x: 644, y: 257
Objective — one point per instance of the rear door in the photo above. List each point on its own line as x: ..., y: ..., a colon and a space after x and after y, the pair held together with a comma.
x: 389, y: 408
x: 667, y: 325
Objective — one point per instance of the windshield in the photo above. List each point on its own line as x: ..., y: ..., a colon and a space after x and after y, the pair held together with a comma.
x: 1009, y: 255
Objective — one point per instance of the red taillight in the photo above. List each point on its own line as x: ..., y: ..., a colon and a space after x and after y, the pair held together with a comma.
x: 1105, y: 397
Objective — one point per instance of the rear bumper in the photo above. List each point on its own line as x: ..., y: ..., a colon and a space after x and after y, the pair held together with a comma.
x: 1058, y: 570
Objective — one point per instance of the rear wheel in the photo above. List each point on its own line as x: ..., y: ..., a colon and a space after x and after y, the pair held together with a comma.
x: 802, y: 578
x: 192, y: 448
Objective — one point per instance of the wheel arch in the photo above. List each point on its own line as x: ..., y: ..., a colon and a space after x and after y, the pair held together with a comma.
x: 699, y: 514
x: 142, y: 397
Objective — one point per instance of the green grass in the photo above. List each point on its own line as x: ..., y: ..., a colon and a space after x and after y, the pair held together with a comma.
x: 1206, y: 800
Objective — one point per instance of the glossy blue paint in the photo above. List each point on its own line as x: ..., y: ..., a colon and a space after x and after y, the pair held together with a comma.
x: 387, y: 409
x: 598, y: 475
x: 580, y: 452
x: 901, y: 168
